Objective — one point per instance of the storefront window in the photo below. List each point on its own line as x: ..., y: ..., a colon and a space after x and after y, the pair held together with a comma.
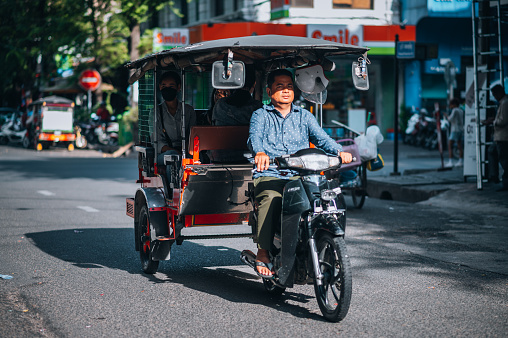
x: 346, y: 104
x: 302, y: 3
x: 356, y: 4
x: 219, y: 7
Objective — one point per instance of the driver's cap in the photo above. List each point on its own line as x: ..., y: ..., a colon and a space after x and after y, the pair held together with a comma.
x: 311, y: 79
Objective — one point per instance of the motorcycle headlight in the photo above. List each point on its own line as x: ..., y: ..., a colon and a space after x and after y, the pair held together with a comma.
x: 295, y: 162
x: 315, y: 162
x: 328, y: 195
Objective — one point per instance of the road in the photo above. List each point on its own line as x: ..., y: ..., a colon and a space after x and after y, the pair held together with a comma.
x: 69, y: 248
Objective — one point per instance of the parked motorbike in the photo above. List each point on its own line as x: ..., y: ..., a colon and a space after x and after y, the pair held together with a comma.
x: 412, y: 129
x: 95, y: 133
x: 12, y: 131
x: 432, y: 141
x: 309, y: 246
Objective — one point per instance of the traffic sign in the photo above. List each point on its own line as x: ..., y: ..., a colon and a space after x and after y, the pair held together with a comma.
x: 90, y: 80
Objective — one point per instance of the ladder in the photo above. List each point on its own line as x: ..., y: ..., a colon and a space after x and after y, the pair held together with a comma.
x: 488, y: 65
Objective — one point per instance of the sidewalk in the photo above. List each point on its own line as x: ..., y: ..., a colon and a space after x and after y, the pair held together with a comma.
x: 422, y: 180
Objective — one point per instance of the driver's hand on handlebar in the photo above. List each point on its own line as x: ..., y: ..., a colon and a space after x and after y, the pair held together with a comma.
x: 262, y: 161
x: 346, y: 157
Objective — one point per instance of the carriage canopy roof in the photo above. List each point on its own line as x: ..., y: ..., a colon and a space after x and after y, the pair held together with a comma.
x: 268, y: 51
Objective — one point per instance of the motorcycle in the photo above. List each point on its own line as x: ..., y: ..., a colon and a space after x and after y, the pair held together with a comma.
x: 309, y: 246
x: 412, y: 129
x: 96, y: 133
x: 12, y: 131
x: 433, y: 140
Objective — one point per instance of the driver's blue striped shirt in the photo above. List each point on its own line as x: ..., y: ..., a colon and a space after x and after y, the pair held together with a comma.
x: 275, y: 135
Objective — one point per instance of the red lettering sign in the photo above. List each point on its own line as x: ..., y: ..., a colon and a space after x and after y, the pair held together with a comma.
x: 343, y: 36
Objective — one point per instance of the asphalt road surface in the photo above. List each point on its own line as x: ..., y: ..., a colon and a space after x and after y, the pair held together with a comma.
x: 69, y: 247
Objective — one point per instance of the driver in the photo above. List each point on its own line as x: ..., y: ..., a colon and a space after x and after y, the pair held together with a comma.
x: 280, y: 128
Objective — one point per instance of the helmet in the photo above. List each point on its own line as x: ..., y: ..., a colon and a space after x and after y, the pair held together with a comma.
x: 311, y: 80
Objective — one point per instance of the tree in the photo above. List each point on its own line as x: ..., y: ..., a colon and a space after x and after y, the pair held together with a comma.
x: 135, y: 12
x: 31, y: 32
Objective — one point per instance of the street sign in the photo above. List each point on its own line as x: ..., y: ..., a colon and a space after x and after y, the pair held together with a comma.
x: 90, y: 80
x: 405, y: 50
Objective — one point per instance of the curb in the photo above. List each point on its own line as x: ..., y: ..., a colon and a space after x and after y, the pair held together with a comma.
x: 414, y: 186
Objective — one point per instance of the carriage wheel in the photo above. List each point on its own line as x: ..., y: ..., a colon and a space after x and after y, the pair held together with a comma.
x: 148, y: 265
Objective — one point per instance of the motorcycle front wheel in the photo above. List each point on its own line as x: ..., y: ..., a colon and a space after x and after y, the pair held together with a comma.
x: 334, y: 295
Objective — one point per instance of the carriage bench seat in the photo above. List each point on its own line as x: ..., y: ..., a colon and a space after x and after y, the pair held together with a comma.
x: 216, y: 188
x: 217, y: 138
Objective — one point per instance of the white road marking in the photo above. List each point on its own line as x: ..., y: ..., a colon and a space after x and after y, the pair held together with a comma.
x: 46, y: 193
x: 87, y: 208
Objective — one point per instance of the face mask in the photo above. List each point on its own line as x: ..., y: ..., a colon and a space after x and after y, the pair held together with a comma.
x: 168, y: 93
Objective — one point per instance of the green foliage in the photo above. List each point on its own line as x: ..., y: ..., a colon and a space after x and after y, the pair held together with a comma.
x: 41, y: 36
x: 404, y: 116
x: 146, y: 43
x: 33, y: 28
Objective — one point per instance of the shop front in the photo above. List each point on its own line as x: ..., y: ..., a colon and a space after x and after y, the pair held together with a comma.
x: 344, y: 103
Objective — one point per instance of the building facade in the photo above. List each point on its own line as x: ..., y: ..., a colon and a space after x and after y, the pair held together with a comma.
x: 371, y: 23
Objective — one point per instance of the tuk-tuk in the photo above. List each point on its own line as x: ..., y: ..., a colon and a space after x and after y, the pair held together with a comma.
x: 199, y: 193
x: 51, y: 123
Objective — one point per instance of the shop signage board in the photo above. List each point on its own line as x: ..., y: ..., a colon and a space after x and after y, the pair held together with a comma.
x: 405, y: 49
x: 449, y: 8
x: 347, y: 34
x: 470, y: 121
x: 167, y: 38
x: 279, y: 9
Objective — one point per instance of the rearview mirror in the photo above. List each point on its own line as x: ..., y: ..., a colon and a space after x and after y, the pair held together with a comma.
x: 360, y: 75
x: 228, y: 78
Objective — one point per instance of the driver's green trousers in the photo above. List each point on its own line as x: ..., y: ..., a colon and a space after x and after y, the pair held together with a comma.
x: 268, y: 191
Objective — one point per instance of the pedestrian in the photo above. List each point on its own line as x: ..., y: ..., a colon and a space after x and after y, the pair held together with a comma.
x: 456, y: 119
x: 500, y: 122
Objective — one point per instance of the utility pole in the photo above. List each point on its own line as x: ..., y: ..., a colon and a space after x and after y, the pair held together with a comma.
x: 396, y: 114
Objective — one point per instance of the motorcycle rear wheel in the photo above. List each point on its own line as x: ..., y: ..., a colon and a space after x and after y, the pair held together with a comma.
x: 334, y: 295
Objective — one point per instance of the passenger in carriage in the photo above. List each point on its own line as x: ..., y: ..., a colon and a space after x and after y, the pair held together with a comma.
x: 235, y: 110
x: 169, y: 128
x: 217, y: 94
x: 280, y: 128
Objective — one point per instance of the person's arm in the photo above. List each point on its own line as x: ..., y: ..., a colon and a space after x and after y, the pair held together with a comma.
x: 501, y: 119
x: 161, y: 138
x: 255, y: 141
x: 319, y: 137
x: 323, y: 141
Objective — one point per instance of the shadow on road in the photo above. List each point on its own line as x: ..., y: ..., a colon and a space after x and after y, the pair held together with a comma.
x: 202, y: 268
x: 114, y: 169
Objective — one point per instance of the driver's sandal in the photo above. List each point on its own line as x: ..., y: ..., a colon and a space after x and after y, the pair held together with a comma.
x: 249, y: 258
x: 269, y: 266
